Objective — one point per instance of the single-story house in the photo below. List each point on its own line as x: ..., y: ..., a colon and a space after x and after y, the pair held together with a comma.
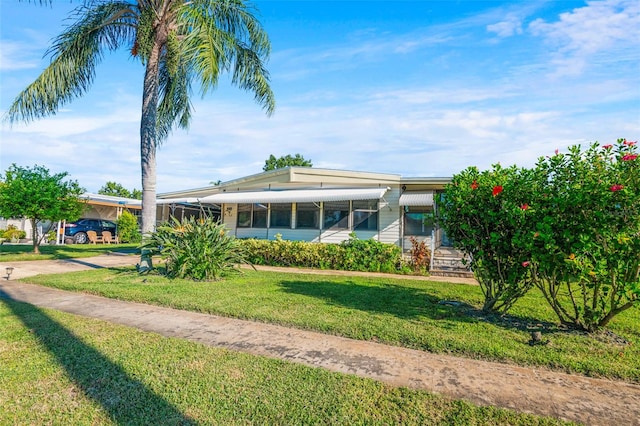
x: 319, y: 205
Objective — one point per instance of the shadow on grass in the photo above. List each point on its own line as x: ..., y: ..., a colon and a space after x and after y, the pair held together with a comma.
x: 125, y: 399
x: 410, y: 303
x: 402, y: 302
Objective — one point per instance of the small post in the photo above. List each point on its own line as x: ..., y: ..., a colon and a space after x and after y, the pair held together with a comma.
x: 9, y: 272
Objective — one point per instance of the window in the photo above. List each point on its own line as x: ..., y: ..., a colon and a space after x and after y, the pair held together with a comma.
x: 365, y: 215
x: 336, y: 215
x: 244, y: 215
x: 259, y: 216
x: 418, y: 221
x: 252, y: 216
x: 307, y: 216
x: 280, y: 215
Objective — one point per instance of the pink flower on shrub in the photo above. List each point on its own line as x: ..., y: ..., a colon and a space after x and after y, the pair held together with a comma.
x: 607, y: 146
x: 525, y: 206
x: 526, y: 263
x: 616, y: 188
x: 497, y: 190
x: 629, y: 143
x: 629, y: 157
x: 556, y: 151
x: 474, y: 185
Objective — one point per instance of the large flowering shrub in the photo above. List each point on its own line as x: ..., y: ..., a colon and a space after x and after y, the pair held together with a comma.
x: 585, y: 242
x: 570, y: 226
x: 484, y: 214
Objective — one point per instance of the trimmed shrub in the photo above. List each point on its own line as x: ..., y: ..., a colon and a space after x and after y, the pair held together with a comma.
x: 352, y: 255
x: 128, y: 228
x: 13, y: 233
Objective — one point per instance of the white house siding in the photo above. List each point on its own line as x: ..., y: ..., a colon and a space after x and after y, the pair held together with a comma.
x: 389, y: 217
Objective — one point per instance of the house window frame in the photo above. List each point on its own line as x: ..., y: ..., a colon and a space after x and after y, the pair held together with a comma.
x: 277, y: 209
x: 371, y: 209
x: 317, y: 210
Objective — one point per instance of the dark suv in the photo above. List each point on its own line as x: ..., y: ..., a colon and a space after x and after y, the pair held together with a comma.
x: 78, y: 230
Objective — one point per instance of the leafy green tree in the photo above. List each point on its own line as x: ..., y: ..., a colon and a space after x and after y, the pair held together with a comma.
x: 117, y: 190
x: 273, y: 163
x: 485, y: 213
x: 128, y: 228
x: 585, y: 233
x: 36, y: 194
x: 178, y: 42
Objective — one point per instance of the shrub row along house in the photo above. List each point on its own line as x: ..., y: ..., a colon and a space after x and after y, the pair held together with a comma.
x: 322, y: 205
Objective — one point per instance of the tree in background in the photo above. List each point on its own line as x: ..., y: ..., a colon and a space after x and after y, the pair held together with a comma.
x: 35, y: 194
x: 178, y: 42
x: 273, y: 163
x: 117, y: 190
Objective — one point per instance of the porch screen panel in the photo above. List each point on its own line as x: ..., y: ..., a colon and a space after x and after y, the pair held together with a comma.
x: 244, y: 215
x: 365, y: 215
x: 280, y: 215
x: 307, y: 216
x: 259, y: 217
x: 336, y: 215
x: 418, y: 221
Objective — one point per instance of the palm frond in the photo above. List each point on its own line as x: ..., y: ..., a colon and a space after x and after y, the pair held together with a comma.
x: 74, y: 56
x: 174, y: 109
x: 224, y: 36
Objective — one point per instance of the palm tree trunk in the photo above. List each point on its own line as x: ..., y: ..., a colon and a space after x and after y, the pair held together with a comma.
x: 148, y: 140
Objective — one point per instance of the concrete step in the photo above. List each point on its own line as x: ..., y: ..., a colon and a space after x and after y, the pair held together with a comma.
x: 451, y: 273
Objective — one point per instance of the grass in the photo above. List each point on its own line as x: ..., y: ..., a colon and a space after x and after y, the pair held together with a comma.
x: 56, y: 368
x: 21, y: 252
x: 399, y: 312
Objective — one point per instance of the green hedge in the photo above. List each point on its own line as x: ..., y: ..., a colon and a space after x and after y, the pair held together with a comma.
x: 350, y: 255
x: 12, y: 232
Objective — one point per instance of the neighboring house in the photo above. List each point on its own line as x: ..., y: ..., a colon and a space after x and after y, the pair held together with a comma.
x: 109, y: 207
x: 98, y: 207
x: 319, y: 205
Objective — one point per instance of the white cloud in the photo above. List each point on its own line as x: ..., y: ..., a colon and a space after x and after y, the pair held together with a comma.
x: 609, y: 26
x: 509, y: 26
x: 15, y: 56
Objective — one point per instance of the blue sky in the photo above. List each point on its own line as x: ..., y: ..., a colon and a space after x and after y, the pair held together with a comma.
x: 417, y: 88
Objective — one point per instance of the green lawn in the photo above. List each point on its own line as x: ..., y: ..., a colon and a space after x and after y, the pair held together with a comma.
x: 395, y: 311
x: 57, y: 368
x: 14, y: 253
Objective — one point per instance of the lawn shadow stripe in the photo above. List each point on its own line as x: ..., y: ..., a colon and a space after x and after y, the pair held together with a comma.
x: 125, y: 399
x: 400, y: 301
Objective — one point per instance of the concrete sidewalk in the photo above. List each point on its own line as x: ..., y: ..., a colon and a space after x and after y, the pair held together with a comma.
x: 539, y: 391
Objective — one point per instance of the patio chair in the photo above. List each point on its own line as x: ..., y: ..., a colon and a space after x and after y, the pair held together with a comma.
x: 93, y: 237
x: 109, y: 238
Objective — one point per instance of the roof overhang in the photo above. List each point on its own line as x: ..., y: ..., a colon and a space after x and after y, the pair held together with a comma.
x: 188, y: 200
x: 111, y: 201
x: 416, y: 198
x: 296, y: 196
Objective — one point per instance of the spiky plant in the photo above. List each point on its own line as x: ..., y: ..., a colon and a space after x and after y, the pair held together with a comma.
x: 200, y: 249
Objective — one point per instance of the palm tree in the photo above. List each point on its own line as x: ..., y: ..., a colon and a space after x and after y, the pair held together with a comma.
x: 179, y: 42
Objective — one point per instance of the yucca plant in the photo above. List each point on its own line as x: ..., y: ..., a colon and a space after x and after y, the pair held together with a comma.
x: 200, y: 249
